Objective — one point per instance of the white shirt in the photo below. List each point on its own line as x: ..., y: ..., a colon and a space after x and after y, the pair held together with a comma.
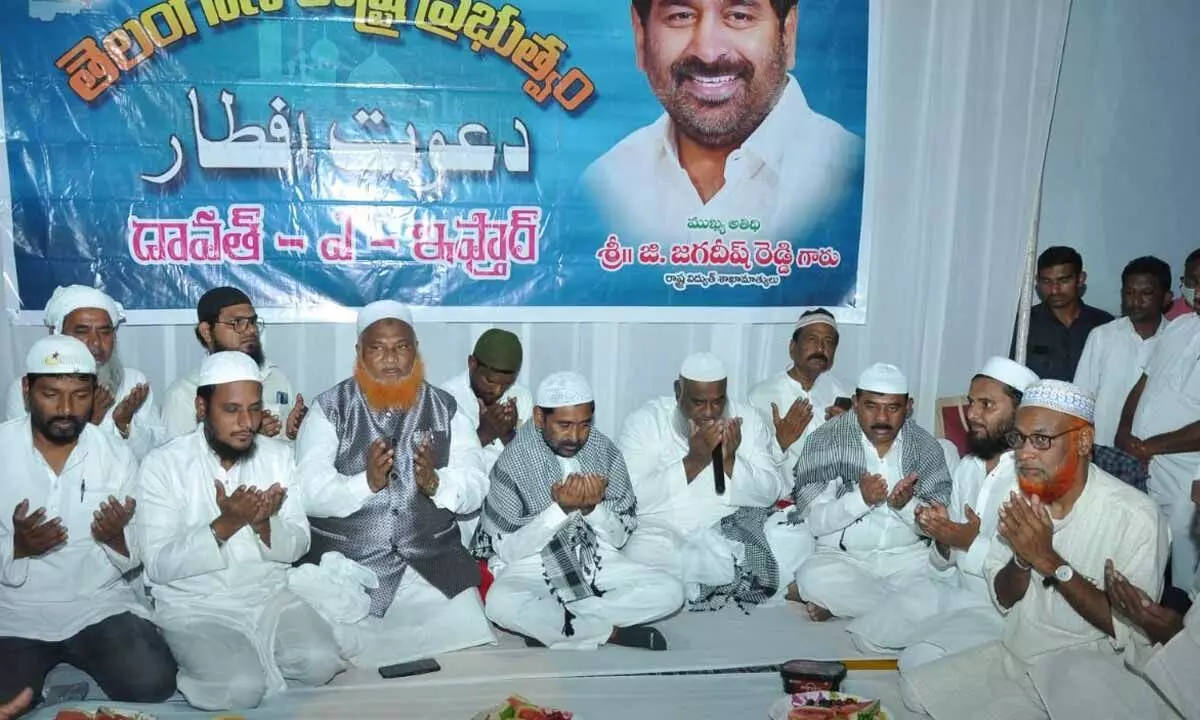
x: 985, y: 492
x: 783, y: 390
x: 179, y: 405
x: 462, y: 484
x: 186, y: 569
x: 654, y: 451
x: 468, y: 407
x: 53, y: 596
x: 848, y: 522
x: 1171, y: 400
x: 1113, y: 360
x: 146, y: 429
x: 792, y: 171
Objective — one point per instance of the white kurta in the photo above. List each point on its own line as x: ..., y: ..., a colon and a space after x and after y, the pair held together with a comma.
x: 954, y: 611
x: 420, y: 622
x: 677, y: 520
x: 53, y: 596
x: 146, y: 429
x: 864, y: 554
x: 224, y: 608
x: 782, y: 390
x: 520, y: 600
x: 1016, y: 676
x: 1113, y: 359
x: 179, y: 403
x: 1170, y: 401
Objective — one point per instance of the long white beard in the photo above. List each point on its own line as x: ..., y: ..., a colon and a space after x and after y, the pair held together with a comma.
x: 111, y: 374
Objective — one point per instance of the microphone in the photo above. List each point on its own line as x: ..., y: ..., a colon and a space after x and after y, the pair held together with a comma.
x: 718, y: 462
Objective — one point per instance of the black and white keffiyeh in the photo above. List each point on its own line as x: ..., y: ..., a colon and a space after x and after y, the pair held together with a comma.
x: 520, y: 490
x: 835, y: 450
x: 756, y: 578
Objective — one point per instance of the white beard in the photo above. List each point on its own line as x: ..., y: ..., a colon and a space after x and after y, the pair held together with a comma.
x: 111, y: 374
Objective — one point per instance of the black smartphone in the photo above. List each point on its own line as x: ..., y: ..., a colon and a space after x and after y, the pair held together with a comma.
x: 844, y: 403
x: 408, y: 669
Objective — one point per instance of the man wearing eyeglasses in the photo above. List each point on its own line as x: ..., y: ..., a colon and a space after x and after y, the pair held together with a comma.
x: 1186, y: 302
x: 1046, y: 575
x: 226, y: 320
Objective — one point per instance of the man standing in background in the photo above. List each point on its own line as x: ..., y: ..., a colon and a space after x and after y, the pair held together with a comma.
x: 1186, y: 302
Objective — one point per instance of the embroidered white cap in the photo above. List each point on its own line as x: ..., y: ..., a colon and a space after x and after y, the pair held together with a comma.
x: 1063, y: 397
x: 1010, y: 372
x: 228, y: 366
x: 703, y: 367
x: 564, y: 389
x: 883, y: 379
x: 383, y: 310
x: 816, y: 319
x: 59, y: 355
x: 69, y: 298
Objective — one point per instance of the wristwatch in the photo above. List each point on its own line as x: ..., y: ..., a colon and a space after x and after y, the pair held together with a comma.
x: 1062, y: 575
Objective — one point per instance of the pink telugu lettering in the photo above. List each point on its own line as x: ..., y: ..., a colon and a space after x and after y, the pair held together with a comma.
x: 484, y: 246
x: 204, y: 238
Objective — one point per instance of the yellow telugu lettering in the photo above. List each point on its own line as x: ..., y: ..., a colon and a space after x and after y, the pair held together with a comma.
x: 537, y: 56
x: 441, y: 18
x: 379, y: 17
x: 177, y: 18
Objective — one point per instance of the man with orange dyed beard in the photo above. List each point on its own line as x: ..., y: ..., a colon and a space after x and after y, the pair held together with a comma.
x: 386, y: 461
x: 1047, y: 573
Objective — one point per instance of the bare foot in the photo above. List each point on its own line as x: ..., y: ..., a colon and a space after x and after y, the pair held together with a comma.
x: 793, y: 594
x: 816, y: 613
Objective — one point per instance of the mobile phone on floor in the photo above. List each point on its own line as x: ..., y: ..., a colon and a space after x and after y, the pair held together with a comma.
x: 408, y: 669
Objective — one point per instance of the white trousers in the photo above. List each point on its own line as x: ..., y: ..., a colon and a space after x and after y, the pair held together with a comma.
x: 702, y: 557
x: 520, y: 601
x: 224, y: 664
x: 851, y: 584
x: 1174, y: 496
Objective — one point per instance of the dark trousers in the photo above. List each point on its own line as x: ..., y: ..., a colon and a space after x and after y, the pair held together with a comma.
x: 124, y: 654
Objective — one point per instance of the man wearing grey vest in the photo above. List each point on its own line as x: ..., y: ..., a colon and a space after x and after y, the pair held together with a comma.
x: 386, y: 461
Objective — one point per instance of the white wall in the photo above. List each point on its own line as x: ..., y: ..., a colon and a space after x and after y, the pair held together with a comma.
x: 1123, y: 173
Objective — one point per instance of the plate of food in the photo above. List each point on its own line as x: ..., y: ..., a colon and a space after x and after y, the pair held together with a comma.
x: 102, y: 713
x: 827, y: 705
x: 519, y: 708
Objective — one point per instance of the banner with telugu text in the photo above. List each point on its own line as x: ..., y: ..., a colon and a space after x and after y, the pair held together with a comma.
x: 693, y: 160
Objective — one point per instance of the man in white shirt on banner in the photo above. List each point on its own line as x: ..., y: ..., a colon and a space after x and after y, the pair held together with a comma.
x: 1160, y: 426
x: 931, y: 620
x: 705, y: 530
x: 1116, y: 353
x: 858, y: 483
x: 219, y: 529
x: 802, y: 398
x: 124, y: 405
x: 387, y: 461
x: 1069, y: 519
x: 64, y: 507
x: 226, y: 320
x: 738, y: 138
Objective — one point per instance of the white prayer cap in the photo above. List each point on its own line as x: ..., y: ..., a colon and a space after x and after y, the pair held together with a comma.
x: 883, y: 379
x: 1063, y: 397
x: 228, y: 366
x: 59, y: 355
x: 817, y: 318
x: 564, y: 389
x: 69, y: 298
x: 383, y: 310
x: 1011, y: 373
x: 703, y: 367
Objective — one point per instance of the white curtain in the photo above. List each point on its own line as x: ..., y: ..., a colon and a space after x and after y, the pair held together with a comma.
x: 959, y: 101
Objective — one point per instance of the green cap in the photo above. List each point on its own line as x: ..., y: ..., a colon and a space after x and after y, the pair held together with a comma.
x: 499, y: 350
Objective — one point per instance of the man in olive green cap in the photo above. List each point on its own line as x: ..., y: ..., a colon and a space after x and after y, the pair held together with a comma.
x: 487, y: 392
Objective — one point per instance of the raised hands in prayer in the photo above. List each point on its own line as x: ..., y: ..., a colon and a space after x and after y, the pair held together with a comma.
x: 902, y: 494
x: 33, y: 535
x: 702, y: 438
x: 424, y: 471
x: 270, y: 425
x: 497, y: 421
x: 109, y: 521
x: 1159, y: 623
x: 1025, y: 524
x: 268, y: 503
x: 579, y: 491
x: 295, y: 417
x: 791, y: 426
x: 238, y: 510
x: 873, y: 487
x: 102, y: 402
x: 380, y: 456
x: 935, y: 522
x: 731, y: 440
x: 17, y: 705
x: 124, y: 411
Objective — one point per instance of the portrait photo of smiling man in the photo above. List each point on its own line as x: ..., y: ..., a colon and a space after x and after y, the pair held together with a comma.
x: 738, y: 137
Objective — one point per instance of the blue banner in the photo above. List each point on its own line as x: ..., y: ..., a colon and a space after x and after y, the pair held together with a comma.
x: 681, y: 158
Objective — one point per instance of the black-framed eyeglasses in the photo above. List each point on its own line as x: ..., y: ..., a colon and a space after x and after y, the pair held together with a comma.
x: 1016, y: 439
x: 242, y: 325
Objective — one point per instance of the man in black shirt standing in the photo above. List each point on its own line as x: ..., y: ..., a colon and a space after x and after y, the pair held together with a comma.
x: 1060, y: 324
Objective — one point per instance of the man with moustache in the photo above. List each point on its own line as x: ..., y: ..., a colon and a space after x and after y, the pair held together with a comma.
x: 226, y: 320
x: 1046, y: 576
x: 712, y: 541
x: 955, y: 612
x: 738, y: 137
x: 558, y: 512
x: 386, y: 463
x: 801, y: 399
x: 1186, y: 303
x: 857, y: 486
x: 219, y: 529
x: 124, y: 405
x: 63, y: 541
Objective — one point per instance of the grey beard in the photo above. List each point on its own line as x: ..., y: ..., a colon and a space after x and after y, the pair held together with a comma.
x: 111, y: 375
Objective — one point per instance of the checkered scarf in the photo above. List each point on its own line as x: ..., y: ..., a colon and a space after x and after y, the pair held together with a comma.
x: 520, y: 490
